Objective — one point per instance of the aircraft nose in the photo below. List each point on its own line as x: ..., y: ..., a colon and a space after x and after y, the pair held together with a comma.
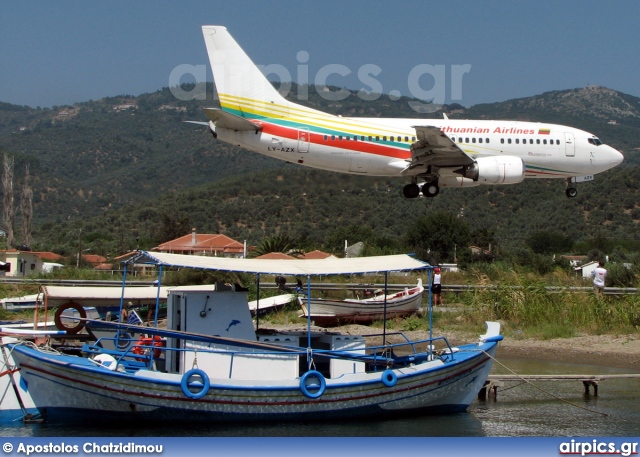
x: 615, y: 157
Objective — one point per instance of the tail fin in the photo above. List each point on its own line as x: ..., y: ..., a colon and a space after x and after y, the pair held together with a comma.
x: 243, y: 90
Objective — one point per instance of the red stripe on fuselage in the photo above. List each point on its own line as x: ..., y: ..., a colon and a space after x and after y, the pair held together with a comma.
x: 349, y: 145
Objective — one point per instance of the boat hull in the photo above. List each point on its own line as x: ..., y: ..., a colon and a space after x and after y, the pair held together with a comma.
x: 67, y: 388
x: 15, y: 402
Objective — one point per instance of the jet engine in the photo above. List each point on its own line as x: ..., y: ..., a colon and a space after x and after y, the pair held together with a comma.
x: 494, y: 170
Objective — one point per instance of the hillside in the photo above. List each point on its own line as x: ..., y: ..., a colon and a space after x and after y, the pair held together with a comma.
x: 128, y: 167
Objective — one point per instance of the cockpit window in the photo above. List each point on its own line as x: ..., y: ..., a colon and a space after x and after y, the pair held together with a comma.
x: 595, y: 141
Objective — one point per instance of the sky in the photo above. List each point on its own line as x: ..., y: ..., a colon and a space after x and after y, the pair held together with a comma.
x: 468, y: 52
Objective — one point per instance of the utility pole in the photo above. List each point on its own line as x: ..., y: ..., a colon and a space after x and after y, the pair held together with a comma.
x: 79, y: 249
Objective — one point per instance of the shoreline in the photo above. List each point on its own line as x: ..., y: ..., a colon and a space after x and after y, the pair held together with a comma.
x: 616, y: 351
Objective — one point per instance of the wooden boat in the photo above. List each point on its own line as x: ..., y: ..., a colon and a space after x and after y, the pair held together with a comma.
x: 219, y: 367
x: 327, y: 312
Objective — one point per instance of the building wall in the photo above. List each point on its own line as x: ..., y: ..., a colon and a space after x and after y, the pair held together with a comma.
x: 22, y: 263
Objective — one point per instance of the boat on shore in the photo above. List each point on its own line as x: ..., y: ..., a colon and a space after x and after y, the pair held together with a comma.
x: 211, y: 363
x: 327, y: 312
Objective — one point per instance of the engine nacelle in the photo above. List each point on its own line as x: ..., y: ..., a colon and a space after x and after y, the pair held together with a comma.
x: 495, y: 170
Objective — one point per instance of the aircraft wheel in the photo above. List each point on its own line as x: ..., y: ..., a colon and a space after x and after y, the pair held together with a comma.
x: 411, y: 191
x: 571, y: 192
x: 430, y: 190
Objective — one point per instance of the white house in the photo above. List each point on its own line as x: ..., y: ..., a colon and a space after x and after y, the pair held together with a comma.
x: 19, y: 264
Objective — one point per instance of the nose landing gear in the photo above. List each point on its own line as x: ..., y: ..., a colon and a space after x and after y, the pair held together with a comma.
x: 570, y: 191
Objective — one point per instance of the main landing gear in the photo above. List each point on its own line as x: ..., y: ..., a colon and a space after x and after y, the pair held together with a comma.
x: 570, y: 191
x: 411, y: 190
x: 429, y: 189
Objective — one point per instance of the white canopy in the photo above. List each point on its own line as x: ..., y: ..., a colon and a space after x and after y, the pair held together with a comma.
x: 328, y: 266
x: 96, y: 296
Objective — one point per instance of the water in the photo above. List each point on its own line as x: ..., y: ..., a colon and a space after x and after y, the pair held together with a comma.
x: 518, y: 411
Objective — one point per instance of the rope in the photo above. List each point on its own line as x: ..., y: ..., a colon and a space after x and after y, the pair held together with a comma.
x: 195, y: 359
x: 543, y: 390
x: 311, y: 362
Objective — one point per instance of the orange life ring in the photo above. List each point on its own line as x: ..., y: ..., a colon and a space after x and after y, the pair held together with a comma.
x: 58, y: 317
x: 140, y: 349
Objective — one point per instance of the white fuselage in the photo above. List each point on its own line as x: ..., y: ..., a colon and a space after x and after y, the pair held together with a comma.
x: 548, y: 150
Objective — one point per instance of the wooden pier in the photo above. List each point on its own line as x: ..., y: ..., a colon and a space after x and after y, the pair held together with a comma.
x: 497, y: 380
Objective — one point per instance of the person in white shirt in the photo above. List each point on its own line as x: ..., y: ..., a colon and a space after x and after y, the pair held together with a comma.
x: 599, y: 276
x: 436, y: 287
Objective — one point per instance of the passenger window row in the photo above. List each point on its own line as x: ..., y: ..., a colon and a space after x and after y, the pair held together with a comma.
x: 398, y: 138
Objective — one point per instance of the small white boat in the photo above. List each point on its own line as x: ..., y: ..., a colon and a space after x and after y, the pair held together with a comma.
x: 271, y: 303
x: 327, y: 312
x: 21, y: 303
x: 218, y: 367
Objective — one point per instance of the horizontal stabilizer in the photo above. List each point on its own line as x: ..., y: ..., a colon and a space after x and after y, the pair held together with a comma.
x: 225, y: 120
x: 197, y: 122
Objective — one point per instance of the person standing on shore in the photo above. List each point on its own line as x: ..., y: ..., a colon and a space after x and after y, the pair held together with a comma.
x: 599, y: 276
x: 436, y: 287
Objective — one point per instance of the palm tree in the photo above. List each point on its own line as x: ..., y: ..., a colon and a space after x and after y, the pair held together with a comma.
x: 277, y: 243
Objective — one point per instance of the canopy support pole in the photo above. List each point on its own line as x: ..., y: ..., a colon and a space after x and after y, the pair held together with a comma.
x: 257, y: 301
x: 430, y: 307
x: 386, y: 291
x: 157, y: 310
x: 309, y: 359
x: 124, y: 282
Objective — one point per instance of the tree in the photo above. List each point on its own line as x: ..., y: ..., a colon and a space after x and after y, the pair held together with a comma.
x: 278, y: 243
x: 26, y: 208
x: 352, y: 234
x: 436, y: 237
x: 173, y: 224
x: 8, y: 214
x: 549, y: 243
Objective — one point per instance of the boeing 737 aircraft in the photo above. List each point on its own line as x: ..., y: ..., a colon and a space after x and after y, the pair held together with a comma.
x: 431, y: 153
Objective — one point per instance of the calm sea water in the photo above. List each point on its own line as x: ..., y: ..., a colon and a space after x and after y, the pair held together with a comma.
x: 519, y: 411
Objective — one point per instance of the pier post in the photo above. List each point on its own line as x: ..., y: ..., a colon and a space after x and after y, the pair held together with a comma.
x: 589, y: 382
x: 488, y: 388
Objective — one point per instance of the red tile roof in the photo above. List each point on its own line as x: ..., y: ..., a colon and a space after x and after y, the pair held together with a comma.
x: 276, y: 256
x: 48, y: 256
x: 314, y: 255
x: 204, y: 242
x: 93, y: 258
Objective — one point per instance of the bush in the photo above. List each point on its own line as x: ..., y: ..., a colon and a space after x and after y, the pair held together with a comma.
x: 619, y: 275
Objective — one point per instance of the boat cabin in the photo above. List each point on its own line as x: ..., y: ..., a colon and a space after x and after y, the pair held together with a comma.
x: 222, y: 310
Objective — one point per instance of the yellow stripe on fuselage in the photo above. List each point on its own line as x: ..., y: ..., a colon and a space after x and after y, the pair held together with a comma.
x: 304, y: 115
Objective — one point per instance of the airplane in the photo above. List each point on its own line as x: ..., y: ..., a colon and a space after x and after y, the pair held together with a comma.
x: 433, y: 154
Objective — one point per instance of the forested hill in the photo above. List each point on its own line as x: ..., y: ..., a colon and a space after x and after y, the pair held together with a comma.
x: 127, y: 167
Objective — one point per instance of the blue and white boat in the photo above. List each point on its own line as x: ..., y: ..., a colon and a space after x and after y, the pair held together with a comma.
x: 213, y: 362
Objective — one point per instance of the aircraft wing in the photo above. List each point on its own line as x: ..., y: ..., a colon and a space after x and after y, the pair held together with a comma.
x: 230, y: 121
x: 434, y: 148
